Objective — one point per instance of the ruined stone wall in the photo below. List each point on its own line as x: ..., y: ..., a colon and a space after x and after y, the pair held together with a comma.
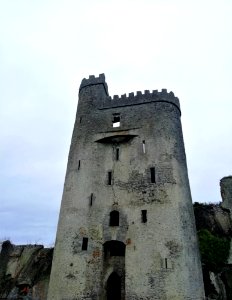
x: 161, y: 255
x: 24, y: 271
x: 226, y: 192
x: 214, y: 226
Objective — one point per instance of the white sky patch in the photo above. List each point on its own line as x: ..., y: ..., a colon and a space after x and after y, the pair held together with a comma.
x: 47, y: 47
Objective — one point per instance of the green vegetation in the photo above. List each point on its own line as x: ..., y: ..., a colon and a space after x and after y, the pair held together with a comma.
x: 214, y: 250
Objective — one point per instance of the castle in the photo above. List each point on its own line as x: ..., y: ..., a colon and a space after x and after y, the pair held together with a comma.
x: 126, y: 227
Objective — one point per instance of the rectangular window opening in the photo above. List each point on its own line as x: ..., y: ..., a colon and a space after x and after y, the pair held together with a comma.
x: 114, y: 218
x: 144, y: 147
x: 144, y: 216
x: 109, y: 178
x: 116, y: 120
x: 80, y: 119
x: 84, y: 243
x: 79, y: 164
x: 152, y: 170
x: 117, y: 153
x: 91, y: 199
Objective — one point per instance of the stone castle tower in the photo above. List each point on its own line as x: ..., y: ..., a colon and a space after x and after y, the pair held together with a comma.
x: 126, y: 228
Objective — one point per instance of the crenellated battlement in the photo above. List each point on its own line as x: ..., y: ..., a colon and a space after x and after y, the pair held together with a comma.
x: 131, y: 99
x: 92, y: 80
x: 140, y: 98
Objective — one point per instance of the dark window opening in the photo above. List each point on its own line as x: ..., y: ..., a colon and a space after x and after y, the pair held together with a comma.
x: 109, y: 178
x: 114, y: 248
x: 114, y: 218
x: 91, y: 199
x: 114, y: 287
x: 166, y: 263
x: 80, y: 119
x: 144, y: 216
x: 84, y: 243
x: 152, y: 170
x: 79, y: 164
x: 117, y: 153
x: 144, y: 147
x: 116, y: 120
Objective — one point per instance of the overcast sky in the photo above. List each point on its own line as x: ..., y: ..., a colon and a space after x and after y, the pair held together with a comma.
x: 47, y: 47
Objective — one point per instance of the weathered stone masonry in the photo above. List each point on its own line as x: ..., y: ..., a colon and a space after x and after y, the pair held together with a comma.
x: 126, y: 228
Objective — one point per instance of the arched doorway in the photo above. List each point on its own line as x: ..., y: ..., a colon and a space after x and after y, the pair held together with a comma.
x: 114, y: 287
x: 114, y: 270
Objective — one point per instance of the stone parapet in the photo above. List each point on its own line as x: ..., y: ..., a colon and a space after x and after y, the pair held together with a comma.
x: 141, y: 98
x: 92, y: 80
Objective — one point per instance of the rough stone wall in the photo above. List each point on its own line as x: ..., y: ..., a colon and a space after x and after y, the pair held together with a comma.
x: 24, y: 271
x: 161, y: 257
x: 226, y: 192
x: 216, y: 220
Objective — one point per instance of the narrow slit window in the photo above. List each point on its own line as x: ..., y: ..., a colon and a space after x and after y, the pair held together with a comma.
x: 152, y: 170
x: 166, y: 263
x: 114, y: 218
x: 80, y: 119
x: 117, y: 153
x: 79, y: 164
x: 116, y: 120
x: 84, y: 243
x: 144, y: 146
x: 109, y: 178
x: 144, y: 216
x: 91, y: 199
